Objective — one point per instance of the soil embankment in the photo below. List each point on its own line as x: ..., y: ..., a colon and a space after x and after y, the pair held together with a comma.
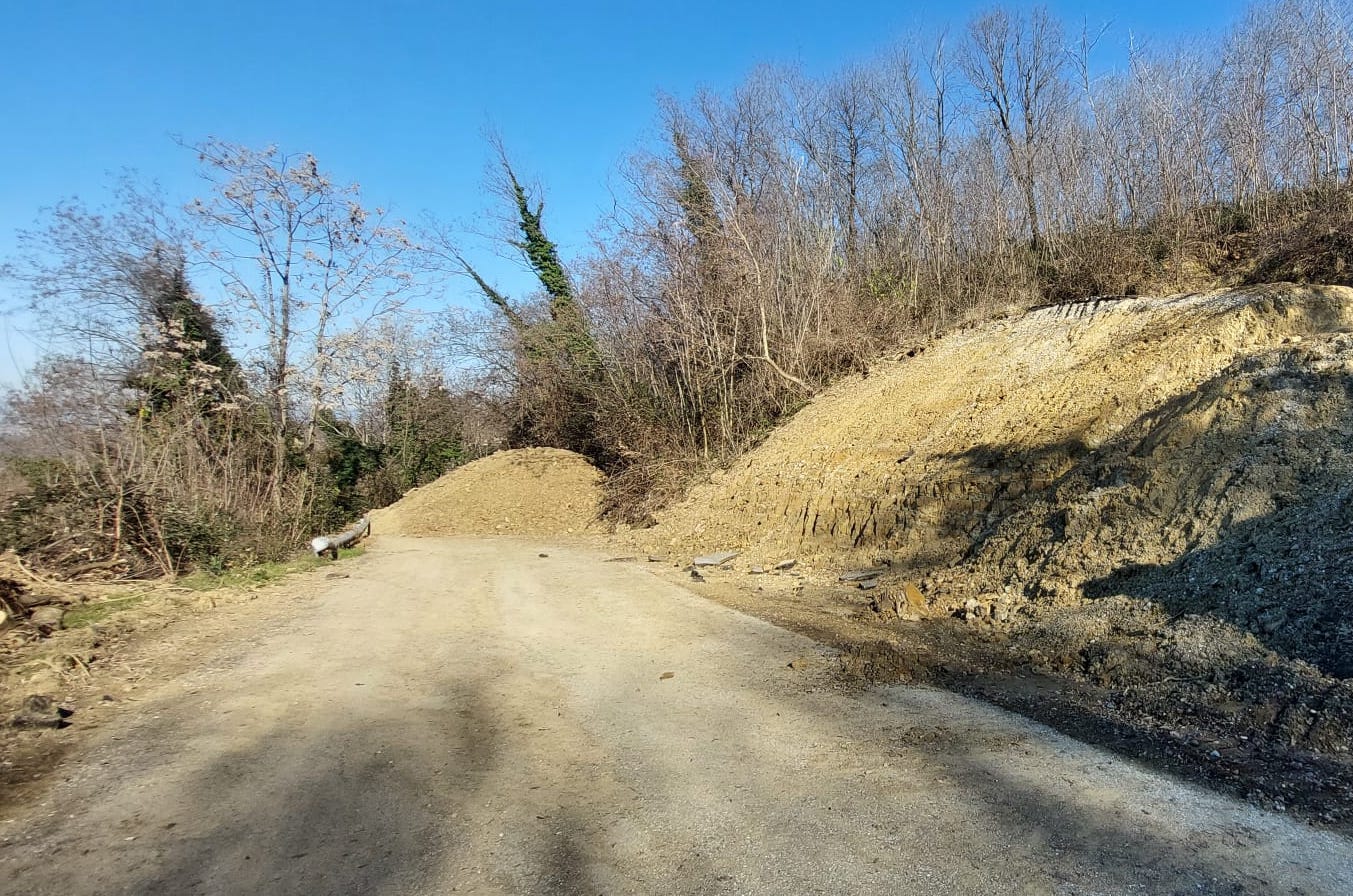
x: 1149, y: 500
x: 1192, y: 451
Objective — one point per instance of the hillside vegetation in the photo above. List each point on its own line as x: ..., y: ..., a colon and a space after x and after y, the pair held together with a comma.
x: 229, y: 373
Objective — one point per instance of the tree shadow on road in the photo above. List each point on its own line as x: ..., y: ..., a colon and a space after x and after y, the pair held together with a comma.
x: 346, y: 818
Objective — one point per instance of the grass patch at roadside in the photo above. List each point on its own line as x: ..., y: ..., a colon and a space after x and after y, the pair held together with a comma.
x: 82, y: 615
x: 259, y: 573
x: 248, y: 577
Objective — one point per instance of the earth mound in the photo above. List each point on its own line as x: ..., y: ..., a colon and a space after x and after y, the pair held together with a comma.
x: 527, y: 491
x: 1193, y: 453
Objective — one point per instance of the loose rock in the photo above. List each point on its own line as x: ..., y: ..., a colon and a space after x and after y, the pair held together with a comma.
x: 29, y: 599
x: 47, y: 619
x: 860, y: 575
x: 40, y: 711
x: 716, y: 559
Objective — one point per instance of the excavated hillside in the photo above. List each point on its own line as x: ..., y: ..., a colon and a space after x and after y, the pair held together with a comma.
x: 1187, y: 456
x: 528, y: 491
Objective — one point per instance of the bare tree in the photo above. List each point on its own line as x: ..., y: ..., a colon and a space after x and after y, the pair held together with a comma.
x: 838, y: 129
x: 1017, y: 67
x: 1246, y: 104
x: 87, y: 272
x: 1317, y: 83
x: 916, y: 98
x: 303, y: 262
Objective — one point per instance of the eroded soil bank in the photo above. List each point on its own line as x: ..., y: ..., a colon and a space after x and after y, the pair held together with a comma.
x: 1128, y: 516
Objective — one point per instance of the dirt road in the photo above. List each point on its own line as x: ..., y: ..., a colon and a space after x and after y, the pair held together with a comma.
x: 471, y: 716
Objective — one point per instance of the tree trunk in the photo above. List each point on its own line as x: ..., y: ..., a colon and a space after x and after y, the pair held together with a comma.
x: 329, y: 544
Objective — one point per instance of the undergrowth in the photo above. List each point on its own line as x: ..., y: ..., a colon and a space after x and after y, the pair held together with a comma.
x: 259, y: 574
x: 92, y: 613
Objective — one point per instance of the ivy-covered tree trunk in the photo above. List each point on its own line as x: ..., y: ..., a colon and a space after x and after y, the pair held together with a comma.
x: 560, y: 368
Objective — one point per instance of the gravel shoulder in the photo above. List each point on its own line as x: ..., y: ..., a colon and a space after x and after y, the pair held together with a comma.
x: 466, y: 715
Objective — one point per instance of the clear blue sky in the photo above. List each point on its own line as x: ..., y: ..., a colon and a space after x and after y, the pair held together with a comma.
x: 394, y: 95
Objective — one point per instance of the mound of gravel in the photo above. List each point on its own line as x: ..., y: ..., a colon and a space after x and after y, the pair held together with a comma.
x: 1194, y: 453
x: 528, y: 491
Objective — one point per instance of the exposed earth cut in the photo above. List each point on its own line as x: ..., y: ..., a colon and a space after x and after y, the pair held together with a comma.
x: 1195, y: 451
x: 1150, y: 498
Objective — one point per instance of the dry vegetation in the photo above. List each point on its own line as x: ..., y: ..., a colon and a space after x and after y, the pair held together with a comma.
x: 792, y: 230
x: 773, y: 240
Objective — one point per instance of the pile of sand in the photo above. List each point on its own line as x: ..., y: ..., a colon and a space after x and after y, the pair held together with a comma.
x: 1195, y: 451
x: 529, y: 491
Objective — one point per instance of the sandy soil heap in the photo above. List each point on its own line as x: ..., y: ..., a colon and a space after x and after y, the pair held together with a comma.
x: 530, y: 491
x: 1194, y: 451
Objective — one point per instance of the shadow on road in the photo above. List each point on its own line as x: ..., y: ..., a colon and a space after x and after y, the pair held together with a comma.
x: 535, y: 764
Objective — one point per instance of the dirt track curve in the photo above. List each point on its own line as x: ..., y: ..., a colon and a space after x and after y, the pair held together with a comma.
x: 470, y: 716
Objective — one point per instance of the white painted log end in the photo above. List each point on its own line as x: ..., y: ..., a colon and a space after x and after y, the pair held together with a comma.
x: 329, y: 544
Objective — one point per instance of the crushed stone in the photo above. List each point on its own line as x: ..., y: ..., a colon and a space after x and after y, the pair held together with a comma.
x: 527, y: 491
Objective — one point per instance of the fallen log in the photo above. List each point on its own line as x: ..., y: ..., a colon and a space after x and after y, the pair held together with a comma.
x: 329, y: 544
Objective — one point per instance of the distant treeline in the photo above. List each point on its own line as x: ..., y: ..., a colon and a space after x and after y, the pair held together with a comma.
x: 777, y: 237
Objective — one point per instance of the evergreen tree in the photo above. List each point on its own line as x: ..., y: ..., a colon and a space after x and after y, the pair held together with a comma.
x: 425, y: 430
x: 184, y: 358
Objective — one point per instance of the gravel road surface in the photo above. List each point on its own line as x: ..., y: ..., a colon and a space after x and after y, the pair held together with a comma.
x: 472, y: 716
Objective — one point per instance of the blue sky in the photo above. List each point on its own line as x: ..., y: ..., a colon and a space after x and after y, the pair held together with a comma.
x: 395, y: 95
